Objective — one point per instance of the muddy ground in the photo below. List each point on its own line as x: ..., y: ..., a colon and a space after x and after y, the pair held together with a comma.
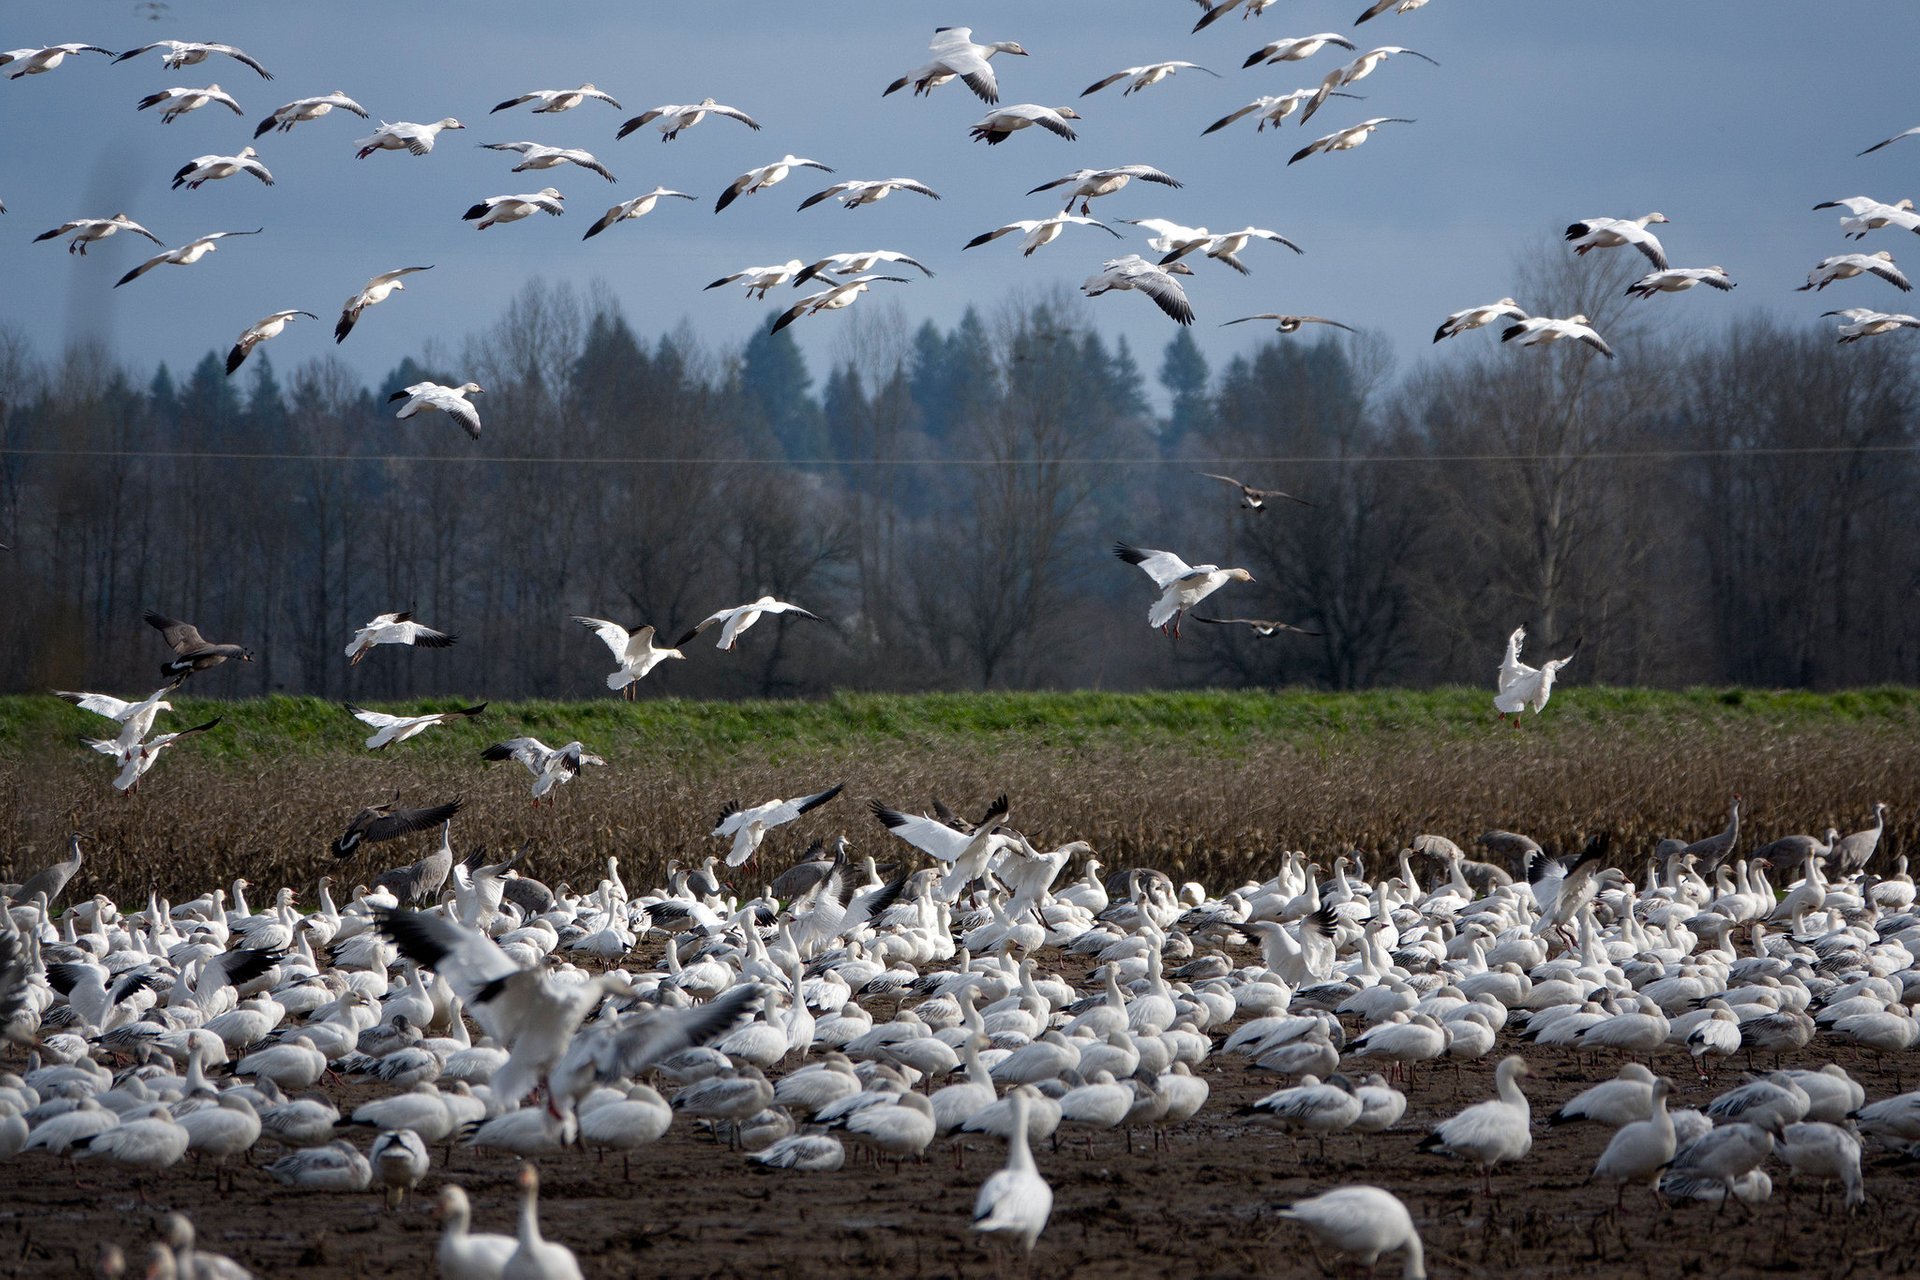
x: 1202, y: 1207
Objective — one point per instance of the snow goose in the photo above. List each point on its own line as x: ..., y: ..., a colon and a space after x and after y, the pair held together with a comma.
x: 334, y: 1167
x: 33, y: 62
x: 1284, y: 323
x: 736, y: 620
x: 1143, y: 77
x: 1270, y: 110
x: 389, y: 729
x: 1379, y: 7
x: 747, y: 827
x: 966, y: 853
x: 1134, y: 272
x: 1615, y: 233
x: 556, y: 100
x: 260, y: 331
x: 1725, y: 1154
x: 1295, y: 48
x: 1864, y: 322
x: 1015, y: 1202
x: 635, y: 652
x: 1887, y: 142
x: 671, y: 118
x: 807, y: 1152
x: 957, y: 56
x: 1003, y: 122
x: 536, y: 155
x: 462, y: 1254
x: 86, y: 231
x: 1365, y: 1222
x: 1086, y: 185
x: 147, y: 1145
x: 1541, y: 330
x: 550, y: 766
x: 1679, y: 280
x: 381, y: 822
x: 1639, y: 1150
x: 1867, y: 214
x: 756, y: 180
x: 638, y: 207
x: 854, y: 193
x: 183, y: 256
x: 399, y: 1158
x: 1252, y: 499
x: 1039, y: 231
x: 213, y: 168
x: 1310, y: 1107
x: 1359, y: 69
x: 1476, y: 317
x: 134, y: 718
x: 1253, y: 9
x: 760, y: 279
x: 1846, y: 266
x: 837, y: 298
x: 180, y: 101
x: 1492, y: 1132
x: 1182, y: 586
x: 512, y: 208
x: 188, y: 53
x: 396, y: 628
x: 404, y: 135
x: 1825, y: 1153
x: 1223, y: 247
x: 452, y: 401
x: 853, y: 264
x: 372, y: 293
x: 301, y: 110
x: 1614, y: 1103
x: 1346, y: 139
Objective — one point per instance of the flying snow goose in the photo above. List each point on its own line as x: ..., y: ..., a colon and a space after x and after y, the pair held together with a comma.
x: 187, y: 53
x: 735, y: 621
x: 966, y: 853
x: 1363, y: 1221
x: 1476, y: 317
x: 957, y: 56
x: 1223, y: 246
x: 638, y: 207
x: 537, y: 155
x: 554, y: 100
x: 1015, y: 1202
x: 1142, y: 77
x: 1270, y: 109
x: 381, y: 822
x: 1870, y: 215
x: 192, y: 652
x: 1520, y: 686
x: 451, y: 401
x: 372, y: 293
x: 1615, y: 233
x: 1003, y: 122
x: 1039, y: 231
x: 1346, y: 139
x: 1679, y: 280
x: 1284, y: 323
x: 1156, y: 282
x: 550, y: 766
x: 260, y: 331
x: 1182, y: 585
x: 213, y: 168
x: 136, y: 760
x: 840, y: 296
x: 853, y: 194
x: 390, y: 729
x: 1086, y: 185
x: 1540, y: 330
x: 1215, y: 12
x: 1295, y: 48
x: 404, y: 135
x: 33, y: 62
x: 180, y: 101
x: 1864, y: 322
x: 853, y: 264
x: 1845, y: 266
x: 1359, y: 69
x: 1252, y: 499
x: 760, y: 279
x: 754, y: 181
x: 1259, y: 626
x: 635, y: 651
x: 671, y: 118
x: 395, y: 628
x: 301, y: 110
x: 512, y: 208
x: 1492, y: 1132
x: 1379, y: 7
x: 134, y: 718
x: 88, y: 230
x: 747, y: 827
x: 1887, y: 142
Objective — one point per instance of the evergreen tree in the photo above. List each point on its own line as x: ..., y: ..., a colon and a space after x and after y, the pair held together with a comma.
x: 1127, y: 387
x: 209, y: 406
x: 1183, y: 372
x: 163, y: 398
x: 266, y: 406
x: 930, y: 380
x: 775, y: 381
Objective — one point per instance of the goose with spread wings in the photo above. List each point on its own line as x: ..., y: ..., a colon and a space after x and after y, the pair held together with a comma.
x: 389, y: 729
x: 837, y: 298
x: 134, y: 718
x: 301, y: 110
x: 758, y: 179
x: 1617, y: 233
x: 1562, y: 886
x: 1157, y: 283
x: 260, y: 331
x: 1345, y: 139
x: 747, y: 827
x: 405, y: 135
x: 1003, y: 122
x: 192, y: 651
x: 852, y: 194
x: 734, y: 621
x: 538, y: 155
x: 1143, y: 77
x: 183, y: 256
x: 1253, y: 499
x: 451, y: 401
x: 1036, y: 232
x: 673, y: 117
x: 1476, y: 317
x: 137, y: 759
x: 853, y: 264
x: 1284, y: 323
x: 556, y: 100
x: 34, y: 62
x: 550, y: 766
x: 1182, y: 585
x: 188, y: 53
x: 87, y: 231
x: 1359, y: 69
x: 1521, y: 686
x: 372, y: 293
x: 1539, y: 331
x: 638, y: 207
x: 635, y: 651
x: 212, y: 168
x: 1271, y: 110
x: 957, y: 56
x: 1086, y: 185
x: 396, y: 628
x: 1259, y: 626
x: 966, y: 853
x: 178, y: 101
x: 1224, y: 247
x: 380, y: 822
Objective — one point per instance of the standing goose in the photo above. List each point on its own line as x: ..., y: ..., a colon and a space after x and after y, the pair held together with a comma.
x: 956, y: 56
x: 735, y: 621
x: 754, y: 181
x: 1143, y: 77
x: 1640, y: 1150
x: 260, y: 331
x: 90, y: 230
x: 550, y: 766
x: 1015, y: 1202
x: 1086, y: 185
x: 1477, y: 317
x: 1851, y: 854
x: 184, y: 256
x: 536, y: 155
x: 638, y: 207
x: 512, y: 208
x: 1542, y: 330
x: 180, y: 101
x: 300, y: 110
x: 1519, y: 686
x: 372, y: 293
x: 192, y: 652
x: 451, y: 401
x: 1038, y: 231
x: 213, y: 168
x: 463, y: 1255
x: 747, y: 827
x: 390, y: 729
x: 1003, y: 122
x: 188, y: 53
x: 1157, y: 283
x: 1363, y: 1221
x: 1346, y: 139
x: 635, y: 652
x: 1492, y: 1132
x: 671, y: 118
x: 395, y: 628
x: 1616, y: 233
x: 1182, y: 586
x: 555, y: 100
x: 399, y: 1159
x: 404, y: 135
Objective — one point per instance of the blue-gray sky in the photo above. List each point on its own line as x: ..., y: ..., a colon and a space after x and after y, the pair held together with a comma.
x: 1733, y: 117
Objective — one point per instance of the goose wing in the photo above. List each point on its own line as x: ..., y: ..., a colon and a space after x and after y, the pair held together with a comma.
x: 1164, y: 567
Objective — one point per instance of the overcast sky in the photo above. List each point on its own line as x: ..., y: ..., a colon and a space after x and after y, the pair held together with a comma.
x: 1732, y: 117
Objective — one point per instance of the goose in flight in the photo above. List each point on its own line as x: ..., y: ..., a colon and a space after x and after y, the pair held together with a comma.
x: 966, y: 853
x: 635, y: 651
x: 1225, y: 246
x: 855, y: 193
x: 451, y: 401
x: 180, y: 101
x: 550, y: 766
x: 735, y: 621
x: 1562, y: 886
x: 853, y: 264
x: 192, y: 652
x: 760, y: 279
x: 1295, y: 48
x: 301, y: 110
x: 956, y: 56
x: 1253, y: 9
x: 1039, y: 231
x: 1142, y: 77
x: 136, y: 760
x: 1540, y: 330
x: 33, y: 62
x: 395, y: 628
x: 1156, y: 282
x: 1002, y: 123
x: 1846, y: 266
x: 1887, y: 142
x: 837, y: 298
x: 187, y: 53
x: 372, y: 293
x: 671, y: 118
x: 756, y: 180
x: 1864, y: 322
x: 535, y: 155
x: 1288, y: 323
x: 513, y: 208
x: 391, y: 729
x: 134, y: 718
x: 1679, y: 280
x: 1521, y: 686
x: 1086, y: 185
x: 1182, y: 585
x: 748, y: 827
x: 260, y: 331
x: 212, y: 168
x: 638, y: 207
x: 1478, y: 317
x: 404, y: 135
x: 382, y: 822
x: 87, y: 231
x: 1271, y: 109
x: 1252, y: 499
x: 1359, y: 69
x: 1615, y: 233
x: 1867, y: 214
x: 1379, y: 7
x: 1346, y: 139
x: 1259, y: 626
x: 555, y: 100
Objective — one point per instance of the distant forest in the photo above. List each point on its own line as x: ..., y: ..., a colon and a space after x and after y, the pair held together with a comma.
x: 1724, y: 503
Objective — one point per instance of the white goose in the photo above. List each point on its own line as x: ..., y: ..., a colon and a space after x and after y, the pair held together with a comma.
x: 1865, y: 214
x: 1295, y: 48
x: 1365, y: 1222
x: 1144, y: 77
x: 1015, y: 1202
x: 88, y: 231
x: 1887, y: 142
x: 759, y: 280
x: 734, y: 621
x: 136, y: 760
x: 1346, y: 139
x: 1270, y: 109
x: 550, y: 766
x: 853, y: 264
x: 1520, y: 686
x: 1087, y: 185
x: 638, y: 207
x: 1864, y: 322
x: 756, y: 180
x: 395, y: 628
x: 189, y: 53
x: 1003, y: 122
x: 671, y: 118
x: 462, y: 1254
x: 213, y: 168
x: 301, y: 110
x: 261, y: 330
x: 837, y: 298
x: 957, y: 56
x: 533, y: 1257
x: 1223, y: 246
x: 556, y: 100
x: 635, y: 651
x: 1639, y: 1150
x: 33, y: 62
x: 1492, y: 1132
x: 1359, y: 69
x: 1478, y: 317
x: 404, y: 135
x: 1036, y: 232
x: 434, y: 397
x: 1615, y: 233
x: 180, y: 101
x: 854, y: 193
x: 1379, y: 7
x: 512, y: 208
x: 1253, y: 9
x: 389, y: 729
x: 1542, y: 330
x: 536, y: 155
x: 1157, y: 283
x: 1182, y: 586
x: 134, y: 718
x: 1845, y: 266
x: 1679, y: 280
x: 372, y: 293
x: 747, y: 827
